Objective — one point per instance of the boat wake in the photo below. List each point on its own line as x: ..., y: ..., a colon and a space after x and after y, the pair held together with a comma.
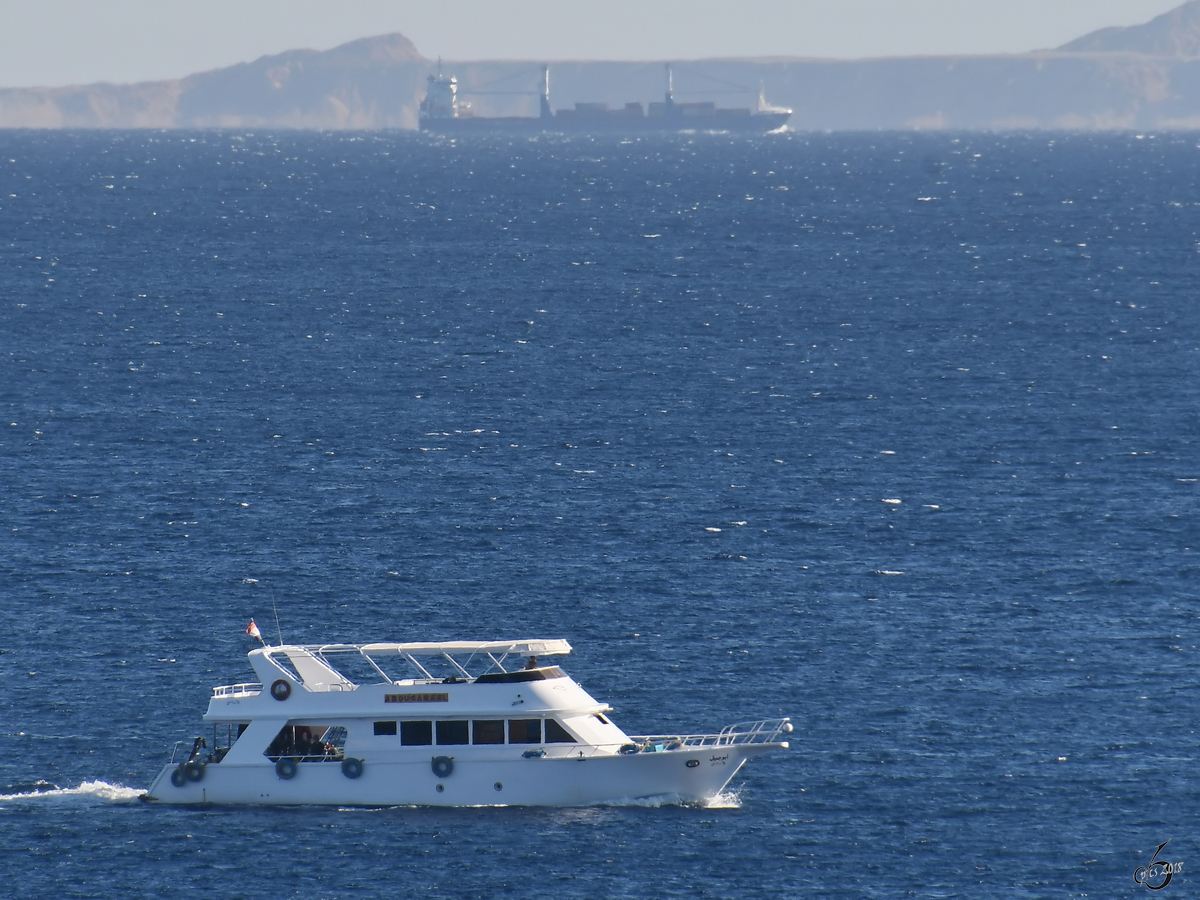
x: 87, y: 792
x: 726, y: 800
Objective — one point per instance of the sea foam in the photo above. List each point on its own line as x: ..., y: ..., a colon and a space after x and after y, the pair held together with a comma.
x: 88, y: 791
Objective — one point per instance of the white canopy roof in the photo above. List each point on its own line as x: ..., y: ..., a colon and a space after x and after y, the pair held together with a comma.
x: 434, y: 648
x: 453, y: 648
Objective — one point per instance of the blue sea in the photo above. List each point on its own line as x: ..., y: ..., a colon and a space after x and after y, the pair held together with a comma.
x: 894, y: 434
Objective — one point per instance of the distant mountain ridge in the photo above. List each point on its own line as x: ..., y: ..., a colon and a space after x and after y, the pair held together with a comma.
x: 367, y: 83
x: 1174, y: 33
x: 1141, y: 77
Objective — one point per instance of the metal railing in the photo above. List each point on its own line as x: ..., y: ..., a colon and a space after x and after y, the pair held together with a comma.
x: 766, y: 731
x: 237, y: 690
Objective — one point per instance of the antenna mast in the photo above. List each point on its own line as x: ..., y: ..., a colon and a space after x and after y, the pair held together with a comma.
x: 275, y: 609
x: 546, y: 113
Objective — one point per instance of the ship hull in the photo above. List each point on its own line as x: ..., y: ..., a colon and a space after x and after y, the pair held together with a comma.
x: 685, y: 775
x: 759, y: 123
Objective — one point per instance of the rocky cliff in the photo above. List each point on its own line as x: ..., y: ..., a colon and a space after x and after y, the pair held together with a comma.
x: 1175, y: 33
x: 369, y: 83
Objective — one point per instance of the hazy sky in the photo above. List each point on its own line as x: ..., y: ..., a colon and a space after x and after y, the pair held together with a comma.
x: 58, y: 42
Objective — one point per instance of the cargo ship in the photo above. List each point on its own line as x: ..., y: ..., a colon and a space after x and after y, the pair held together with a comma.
x: 442, y: 112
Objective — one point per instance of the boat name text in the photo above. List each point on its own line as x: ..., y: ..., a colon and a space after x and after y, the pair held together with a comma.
x: 416, y: 698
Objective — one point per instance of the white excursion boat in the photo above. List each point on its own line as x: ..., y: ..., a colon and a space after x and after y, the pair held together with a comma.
x: 335, y: 726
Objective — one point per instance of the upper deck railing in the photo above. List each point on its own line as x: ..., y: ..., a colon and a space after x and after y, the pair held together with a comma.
x: 327, y: 664
x: 238, y: 690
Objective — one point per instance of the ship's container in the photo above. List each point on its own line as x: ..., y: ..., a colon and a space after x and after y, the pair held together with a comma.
x: 590, y: 109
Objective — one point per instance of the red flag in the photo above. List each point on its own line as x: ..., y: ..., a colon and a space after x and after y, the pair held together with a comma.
x: 253, y: 631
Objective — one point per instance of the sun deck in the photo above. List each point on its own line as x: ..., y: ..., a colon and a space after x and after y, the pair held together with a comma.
x: 343, y: 667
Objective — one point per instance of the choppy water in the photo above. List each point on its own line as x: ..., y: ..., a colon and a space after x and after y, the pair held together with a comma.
x: 894, y: 434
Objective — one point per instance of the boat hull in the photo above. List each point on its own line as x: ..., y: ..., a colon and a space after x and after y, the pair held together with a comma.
x: 686, y: 775
x: 753, y: 124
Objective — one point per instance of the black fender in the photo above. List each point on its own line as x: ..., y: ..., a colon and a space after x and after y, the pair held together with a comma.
x: 193, y: 771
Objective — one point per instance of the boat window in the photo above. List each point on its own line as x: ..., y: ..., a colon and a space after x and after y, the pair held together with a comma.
x: 308, y: 743
x: 417, y: 733
x: 281, y: 660
x: 524, y: 731
x: 335, y: 738
x: 556, y: 734
x: 488, y: 731
x: 385, y: 727
x: 521, y: 675
x: 452, y: 732
x: 223, y: 740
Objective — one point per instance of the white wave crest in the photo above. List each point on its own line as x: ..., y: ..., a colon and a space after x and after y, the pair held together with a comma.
x: 726, y: 800
x: 88, y: 791
x: 648, y: 802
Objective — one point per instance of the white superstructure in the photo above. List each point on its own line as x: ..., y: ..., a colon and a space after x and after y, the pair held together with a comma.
x: 441, y: 99
x: 440, y: 724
